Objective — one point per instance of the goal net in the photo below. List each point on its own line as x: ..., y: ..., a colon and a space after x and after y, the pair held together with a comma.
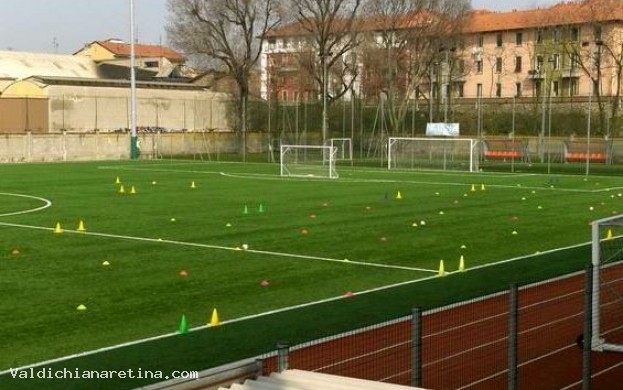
x: 607, y: 284
x: 308, y: 161
x: 458, y: 154
x: 343, y: 148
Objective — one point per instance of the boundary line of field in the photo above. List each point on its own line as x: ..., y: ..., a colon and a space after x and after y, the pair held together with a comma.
x: 276, y: 311
x: 274, y: 177
x: 210, y: 246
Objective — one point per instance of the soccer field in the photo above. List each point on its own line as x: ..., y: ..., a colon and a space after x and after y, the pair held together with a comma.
x: 198, y: 236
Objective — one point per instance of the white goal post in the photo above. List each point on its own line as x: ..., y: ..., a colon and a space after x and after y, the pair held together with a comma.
x: 607, y: 284
x: 459, y: 154
x: 308, y: 161
x: 344, y: 148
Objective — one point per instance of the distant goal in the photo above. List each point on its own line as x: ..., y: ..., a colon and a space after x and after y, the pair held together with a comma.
x: 343, y: 148
x: 457, y: 154
x: 308, y: 161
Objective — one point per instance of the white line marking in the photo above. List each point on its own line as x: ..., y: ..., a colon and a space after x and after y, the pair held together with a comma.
x: 210, y: 246
x: 47, y: 203
x: 270, y: 312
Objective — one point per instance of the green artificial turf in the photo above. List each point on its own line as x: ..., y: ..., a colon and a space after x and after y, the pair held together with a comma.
x: 167, y: 227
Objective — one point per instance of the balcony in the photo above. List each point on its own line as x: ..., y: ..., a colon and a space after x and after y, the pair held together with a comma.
x: 570, y: 73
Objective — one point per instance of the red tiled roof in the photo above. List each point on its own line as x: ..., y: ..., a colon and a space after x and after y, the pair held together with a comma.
x: 560, y: 14
x: 122, y: 49
x: 565, y: 13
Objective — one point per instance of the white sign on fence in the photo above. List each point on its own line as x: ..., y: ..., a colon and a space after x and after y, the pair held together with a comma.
x: 442, y: 129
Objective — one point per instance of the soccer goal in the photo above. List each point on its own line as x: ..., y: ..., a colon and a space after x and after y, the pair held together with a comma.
x: 343, y: 148
x: 458, y: 154
x: 607, y: 285
x: 308, y: 161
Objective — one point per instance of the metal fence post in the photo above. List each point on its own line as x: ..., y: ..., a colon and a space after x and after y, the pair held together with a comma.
x: 588, y: 329
x: 283, y: 350
x: 416, y: 349
x: 512, y: 337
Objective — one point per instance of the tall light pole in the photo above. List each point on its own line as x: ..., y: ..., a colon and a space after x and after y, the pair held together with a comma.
x: 323, y: 58
x: 133, y: 136
x: 588, y: 127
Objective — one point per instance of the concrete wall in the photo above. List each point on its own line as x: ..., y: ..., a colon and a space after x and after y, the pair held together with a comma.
x: 66, y: 146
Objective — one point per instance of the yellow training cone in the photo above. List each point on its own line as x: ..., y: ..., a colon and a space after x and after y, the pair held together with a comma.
x: 482, y: 187
x: 121, y: 189
x: 117, y: 180
x: 214, y: 321
x: 58, y: 229
x: 473, y: 187
x: 442, y: 271
x: 81, y: 227
x: 462, y: 264
x: 609, y: 236
x: 398, y: 195
x: 132, y: 190
x: 192, y: 184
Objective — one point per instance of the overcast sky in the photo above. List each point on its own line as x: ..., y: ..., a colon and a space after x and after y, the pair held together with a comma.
x: 64, y: 26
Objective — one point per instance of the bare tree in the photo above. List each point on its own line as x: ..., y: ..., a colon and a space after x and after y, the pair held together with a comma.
x: 330, y: 26
x: 598, y: 54
x: 416, y: 43
x: 229, y: 32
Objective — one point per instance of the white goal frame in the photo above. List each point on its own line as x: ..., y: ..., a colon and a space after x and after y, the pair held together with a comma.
x: 318, y: 156
x: 473, y: 146
x: 344, y: 148
x: 598, y: 343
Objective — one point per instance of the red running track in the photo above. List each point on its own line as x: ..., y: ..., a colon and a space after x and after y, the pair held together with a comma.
x: 466, y: 346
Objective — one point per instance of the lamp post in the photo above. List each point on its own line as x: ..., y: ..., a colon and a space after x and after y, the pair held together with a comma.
x: 549, y: 117
x: 323, y: 59
x: 597, y: 62
x: 133, y: 136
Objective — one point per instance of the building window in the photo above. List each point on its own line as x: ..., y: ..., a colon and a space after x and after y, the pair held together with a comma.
x: 498, y: 65
x: 556, y: 35
x: 539, y: 36
x: 555, y: 61
x: 479, y: 66
x: 518, y: 89
x: 284, y: 95
x: 481, y: 40
x: 519, y: 39
x: 479, y: 89
x: 539, y: 63
x: 555, y: 88
x: 597, y: 32
x: 151, y: 64
x: 573, y: 87
x: 498, y: 39
x: 498, y: 89
x: 459, y: 87
x: 518, y: 64
x: 574, y: 34
x: 575, y: 60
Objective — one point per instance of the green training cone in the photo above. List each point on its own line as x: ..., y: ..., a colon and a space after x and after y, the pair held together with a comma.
x: 183, y: 328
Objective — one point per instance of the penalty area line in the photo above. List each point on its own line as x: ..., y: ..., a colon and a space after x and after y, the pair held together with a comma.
x: 219, y: 247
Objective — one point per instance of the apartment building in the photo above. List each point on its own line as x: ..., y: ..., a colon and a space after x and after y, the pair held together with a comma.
x: 567, y: 50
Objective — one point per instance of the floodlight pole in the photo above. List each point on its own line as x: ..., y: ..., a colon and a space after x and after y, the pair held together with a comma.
x: 133, y: 137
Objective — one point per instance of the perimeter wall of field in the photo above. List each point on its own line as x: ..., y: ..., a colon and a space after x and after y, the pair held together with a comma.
x: 208, y: 145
